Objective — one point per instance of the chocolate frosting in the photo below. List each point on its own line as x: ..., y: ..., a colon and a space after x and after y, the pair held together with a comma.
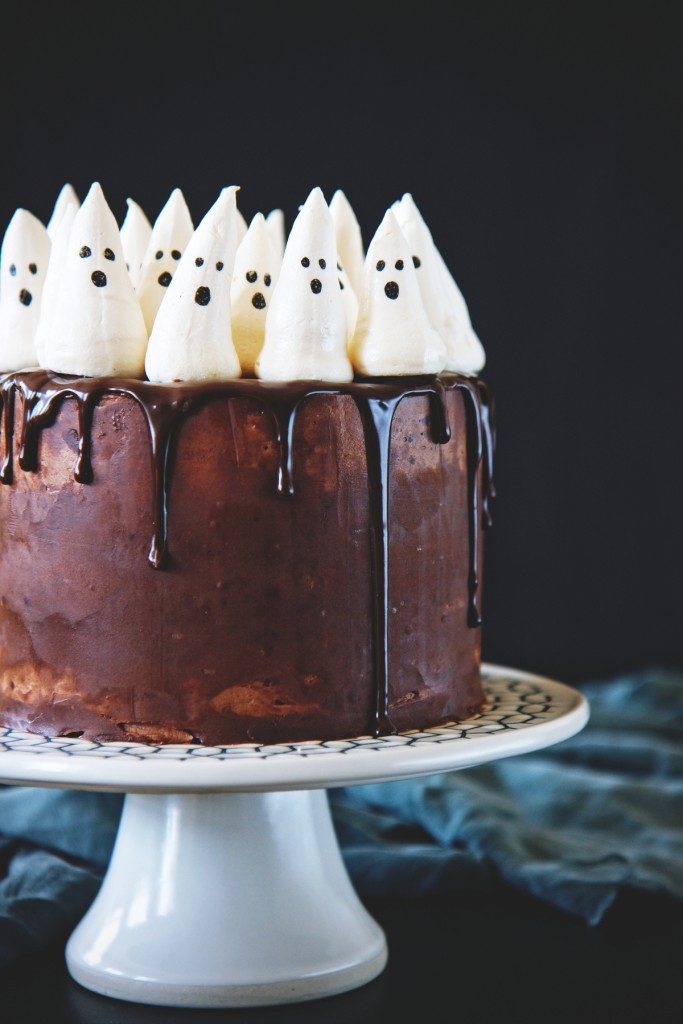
x: 166, y: 407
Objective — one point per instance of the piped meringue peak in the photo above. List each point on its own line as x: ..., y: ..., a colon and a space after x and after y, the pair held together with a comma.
x: 306, y: 330
x: 394, y: 336
x: 23, y: 267
x: 67, y: 198
x: 191, y: 339
x: 443, y: 301
x: 136, y: 232
x: 256, y: 270
x: 349, y: 239
x: 96, y: 328
x: 171, y: 232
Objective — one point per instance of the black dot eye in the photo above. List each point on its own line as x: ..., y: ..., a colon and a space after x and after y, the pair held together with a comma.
x: 33, y: 268
x: 341, y: 285
x: 199, y: 262
x: 176, y: 254
x: 339, y: 268
x: 322, y: 264
x: 159, y: 254
x: 399, y: 264
x: 417, y: 262
x: 219, y: 265
x: 252, y: 276
x: 13, y: 270
x: 381, y: 264
x: 109, y: 255
x: 316, y: 286
x: 266, y: 280
x: 85, y: 252
x: 305, y: 262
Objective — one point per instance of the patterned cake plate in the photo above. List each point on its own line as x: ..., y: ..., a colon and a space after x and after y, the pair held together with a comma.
x: 226, y: 885
x: 523, y: 712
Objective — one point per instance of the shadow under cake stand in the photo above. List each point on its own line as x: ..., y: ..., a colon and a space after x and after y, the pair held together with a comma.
x: 226, y: 885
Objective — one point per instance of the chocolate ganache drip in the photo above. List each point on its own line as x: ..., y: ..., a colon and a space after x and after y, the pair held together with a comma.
x: 165, y: 406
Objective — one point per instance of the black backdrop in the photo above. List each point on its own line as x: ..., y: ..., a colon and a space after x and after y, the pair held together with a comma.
x: 542, y: 145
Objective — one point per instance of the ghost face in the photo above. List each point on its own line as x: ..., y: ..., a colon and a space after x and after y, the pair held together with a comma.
x: 24, y: 281
x: 205, y: 272
x: 318, y: 273
x: 100, y: 262
x: 389, y: 277
x: 261, y: 284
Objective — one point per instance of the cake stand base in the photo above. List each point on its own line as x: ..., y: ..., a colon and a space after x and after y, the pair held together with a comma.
x: 235, y: 899
x: 226, y: 886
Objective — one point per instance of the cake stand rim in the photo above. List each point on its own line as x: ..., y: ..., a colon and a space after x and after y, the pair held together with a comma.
x: 556, y: 712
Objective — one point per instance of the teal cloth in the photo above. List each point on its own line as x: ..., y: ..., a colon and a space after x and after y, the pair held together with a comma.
x: 573, y: 825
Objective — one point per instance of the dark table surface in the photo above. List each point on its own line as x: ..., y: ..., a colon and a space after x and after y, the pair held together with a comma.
x: 500, y: 957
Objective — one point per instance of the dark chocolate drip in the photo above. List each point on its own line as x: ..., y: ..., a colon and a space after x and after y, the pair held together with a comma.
x: 165, y: 406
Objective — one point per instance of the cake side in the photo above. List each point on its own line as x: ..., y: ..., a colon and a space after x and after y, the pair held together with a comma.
x: 262, y: 626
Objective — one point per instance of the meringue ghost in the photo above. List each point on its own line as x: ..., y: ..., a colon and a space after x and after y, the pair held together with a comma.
x: 136, y: 232
x: 256, y: 270
x: 191, y: 339
x: 446, y: 309
x: 275, y: 222
x: 394, y: 336
x: 349, y: 240
x: 66, y: 198
x: 23, y: 265
x: 171, y: 232
x: 306, y: 323
x: 53, y: 280
x: 96, y: 327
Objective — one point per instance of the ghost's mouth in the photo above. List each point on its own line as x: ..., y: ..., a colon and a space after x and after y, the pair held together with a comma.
x: 164, y: 279
x: 25, y: 297
x: 257, y: 301
x: 98, y: 278
x: 391, y: 290
x: 316, y: 286
x: 202, y: 296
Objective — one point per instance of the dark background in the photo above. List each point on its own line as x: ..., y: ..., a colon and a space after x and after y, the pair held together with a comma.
x: 543, y: 145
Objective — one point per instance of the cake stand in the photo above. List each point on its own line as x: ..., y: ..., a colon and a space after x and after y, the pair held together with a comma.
x: 226, y: 885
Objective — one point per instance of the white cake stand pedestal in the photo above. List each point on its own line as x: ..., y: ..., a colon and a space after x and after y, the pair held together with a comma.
x: 226, y: 885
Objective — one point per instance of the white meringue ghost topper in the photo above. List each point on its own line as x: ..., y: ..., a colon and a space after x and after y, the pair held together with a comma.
x: 349, y: 240
x: 394, y: 336
x: 192, y: 339
x: 97, y: 328
x: 446, y: 310
x: 23, y: 266
x: 275, y: 222
x: 253, y: 281
x: 136, y: 232
x: 171, y: 232
x: 66, y: 198
x: 306, y: 323
x: 53, y: 280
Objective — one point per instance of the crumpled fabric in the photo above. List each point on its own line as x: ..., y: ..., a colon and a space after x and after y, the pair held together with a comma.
x: 572, y: 825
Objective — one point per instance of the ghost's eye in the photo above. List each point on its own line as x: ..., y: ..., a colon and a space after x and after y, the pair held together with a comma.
x: 176, y: 254
x: 399, y: 264
x: 199, y: 262
x: 322, y: 264
x: 85, y: 252
x: 219, y: 265
x: 381, y: 264
x: 340, y: 268
x: 33, y: 268
x: 109, y: 255
x: 252, y: 276
x: 305, y: 262
x: 341, y: 285
x: 13, y: 270
x: 266, y: 280
x: 417, y: 262
x: 159, y: 254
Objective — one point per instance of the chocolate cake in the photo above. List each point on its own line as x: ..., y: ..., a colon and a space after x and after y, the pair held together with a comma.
x: 241, y: 561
